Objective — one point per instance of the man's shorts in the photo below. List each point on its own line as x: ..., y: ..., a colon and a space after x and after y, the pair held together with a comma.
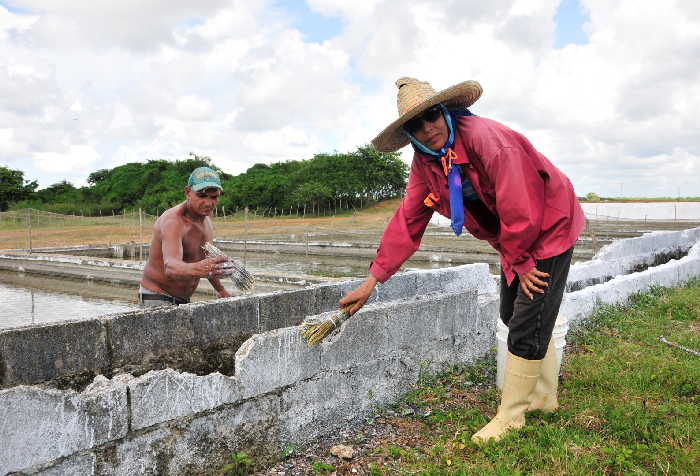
x: 148, y: 298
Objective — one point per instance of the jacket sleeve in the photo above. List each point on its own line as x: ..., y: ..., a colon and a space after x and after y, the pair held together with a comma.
x: 520, y: 205
x: 404, y: 232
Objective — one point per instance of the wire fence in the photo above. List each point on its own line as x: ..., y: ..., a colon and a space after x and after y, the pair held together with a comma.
x: 38, y: 218
x: 644, y: 219
x: 30, y: 229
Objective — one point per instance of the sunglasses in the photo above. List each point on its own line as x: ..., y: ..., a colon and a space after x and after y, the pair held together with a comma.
x: 431, y: 115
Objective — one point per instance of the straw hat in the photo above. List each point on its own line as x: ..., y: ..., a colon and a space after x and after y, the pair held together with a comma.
x: 413, y: 98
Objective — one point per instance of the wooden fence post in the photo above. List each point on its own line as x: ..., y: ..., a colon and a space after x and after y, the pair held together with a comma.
x: 29, y: 224
x: 140, y: 235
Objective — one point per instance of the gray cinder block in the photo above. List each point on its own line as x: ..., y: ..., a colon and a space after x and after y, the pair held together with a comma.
x: 224, y: 318
x: 41, y: 425
x: 164, y: 395
x: 284, y: 309
x: 399, y: 286
x: 362, y: 338
x: 328, y: 294
x: 274, y: 359
x: 142, y: 335
x: 35, y: 354
x: 456, y: 279
x: 204, y: 441
x: 423, y: 328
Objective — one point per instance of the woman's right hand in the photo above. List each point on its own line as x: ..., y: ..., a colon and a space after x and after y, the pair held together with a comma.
x: 358, y: 296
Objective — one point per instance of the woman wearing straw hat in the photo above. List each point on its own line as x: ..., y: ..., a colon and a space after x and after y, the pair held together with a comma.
x: 491, y: 180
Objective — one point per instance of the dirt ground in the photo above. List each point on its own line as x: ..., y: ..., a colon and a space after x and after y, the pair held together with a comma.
x: 402, y: 425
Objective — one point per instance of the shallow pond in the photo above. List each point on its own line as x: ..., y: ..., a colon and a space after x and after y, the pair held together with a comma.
x: 27, y: 299
x: 22, y: 304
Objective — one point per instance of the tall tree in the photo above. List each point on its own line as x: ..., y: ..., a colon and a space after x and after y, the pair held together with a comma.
x: 13, y: 187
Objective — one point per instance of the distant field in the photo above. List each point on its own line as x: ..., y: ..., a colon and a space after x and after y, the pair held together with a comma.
x: 640, y: 199
x: 357, y: 227
x: 66, y: 230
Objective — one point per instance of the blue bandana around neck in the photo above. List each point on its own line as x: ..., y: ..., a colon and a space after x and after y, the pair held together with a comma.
x: 454, y: 176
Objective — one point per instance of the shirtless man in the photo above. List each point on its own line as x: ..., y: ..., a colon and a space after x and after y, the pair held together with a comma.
x: 176, y: 261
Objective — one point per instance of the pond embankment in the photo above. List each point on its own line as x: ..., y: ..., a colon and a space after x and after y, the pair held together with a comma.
x: 176, y: 390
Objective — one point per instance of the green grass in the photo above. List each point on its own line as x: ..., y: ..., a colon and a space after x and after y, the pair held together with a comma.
x: 629, y: 404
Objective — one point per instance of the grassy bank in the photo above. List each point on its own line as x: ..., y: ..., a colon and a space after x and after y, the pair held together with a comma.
x: 629, y: 405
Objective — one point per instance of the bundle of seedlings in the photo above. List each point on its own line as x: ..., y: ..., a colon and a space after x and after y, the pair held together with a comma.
x: 315, y: 329
x: 240, y: 276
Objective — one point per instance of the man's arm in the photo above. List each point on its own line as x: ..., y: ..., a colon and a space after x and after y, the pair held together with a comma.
x: 175, y: 267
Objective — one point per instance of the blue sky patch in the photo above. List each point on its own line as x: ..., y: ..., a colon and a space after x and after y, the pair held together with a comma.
x: 12, y: 8
x: 569, y: 21
x: 315, y: 27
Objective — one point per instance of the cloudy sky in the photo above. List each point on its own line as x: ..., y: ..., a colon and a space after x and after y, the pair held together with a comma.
x: 609, y: 91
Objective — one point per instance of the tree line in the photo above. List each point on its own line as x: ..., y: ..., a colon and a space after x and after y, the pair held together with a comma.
x: 313, y: 186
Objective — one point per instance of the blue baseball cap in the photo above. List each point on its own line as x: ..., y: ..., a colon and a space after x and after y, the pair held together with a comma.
x: 202, y: 178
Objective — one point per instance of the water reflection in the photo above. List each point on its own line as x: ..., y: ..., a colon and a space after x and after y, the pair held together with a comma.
x: 21, y: 306
x: 27, y: 299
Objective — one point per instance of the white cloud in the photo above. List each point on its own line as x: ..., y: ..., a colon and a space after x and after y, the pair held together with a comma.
x: 99, y: 24
x: 88, y: 85
x: 74, y: 159
x: 193, y: 108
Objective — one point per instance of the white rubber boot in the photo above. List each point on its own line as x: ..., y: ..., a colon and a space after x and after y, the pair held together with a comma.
x: 544, y: 397
x: 519, y: 381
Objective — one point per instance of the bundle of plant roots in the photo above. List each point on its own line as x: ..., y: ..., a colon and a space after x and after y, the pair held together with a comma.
x: 240, y: 276
x: 317, y: 328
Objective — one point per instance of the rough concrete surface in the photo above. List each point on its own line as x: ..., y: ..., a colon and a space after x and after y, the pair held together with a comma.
x: 280, y: 391
x: 630, y: 255
x: 185, y: 446
x: 165, y: 395
x: 38, y: 425
x: 40, y: 353
x: 581, y: 304
x: 275, y: 359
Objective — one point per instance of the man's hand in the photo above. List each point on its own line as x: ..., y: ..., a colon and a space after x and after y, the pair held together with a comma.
x: 209, y: 267
x: 224, y: 294
x: 358, y: 296
x: 530, y: 282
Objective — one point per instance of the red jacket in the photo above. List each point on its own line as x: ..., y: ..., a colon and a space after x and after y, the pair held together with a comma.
x: 529, y: 208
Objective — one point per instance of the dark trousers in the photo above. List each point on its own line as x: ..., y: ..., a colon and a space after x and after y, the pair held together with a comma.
x: 530, y: 322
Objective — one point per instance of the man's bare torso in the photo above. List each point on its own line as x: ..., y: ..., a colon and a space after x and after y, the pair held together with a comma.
x: 174, y: 228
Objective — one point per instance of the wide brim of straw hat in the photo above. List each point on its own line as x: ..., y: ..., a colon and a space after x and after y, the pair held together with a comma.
x: 463, y: 94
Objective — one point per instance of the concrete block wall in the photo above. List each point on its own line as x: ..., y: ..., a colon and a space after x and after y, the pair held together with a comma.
x: 39, y: 424
x: 578, y: 305
x: 653, y: 242
x: 280, y: 391
x: 630, y: 255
